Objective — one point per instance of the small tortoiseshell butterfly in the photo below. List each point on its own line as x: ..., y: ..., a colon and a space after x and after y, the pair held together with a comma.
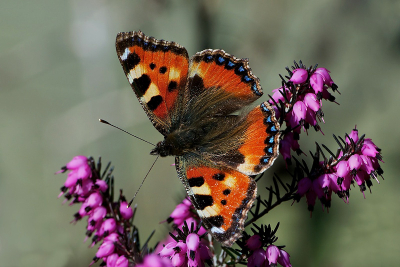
x: 192, y: 103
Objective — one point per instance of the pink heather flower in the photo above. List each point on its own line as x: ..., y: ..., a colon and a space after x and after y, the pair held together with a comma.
x: 342, y: 168
x: 367, y: 164
x: 311, y: 117
x: 369, y: 149
x: 109, y: 226
x: 122, y: 261
x: 284, y: 259
x: 106, y: 249
x: 325, y: 76
x: 257, y: 258
x: 317, y: 83
x: 312, y: 102
x: 284, y: 148
x: 178, y: 259
x: 181, y: 212
x: 304, y: 185
x: 299, y: 76
x: 152, y: 260
x: 77, y: 162
x: 277, y: 95
x: 353, y: 135
x: 254, y: 242
x: 168, y: 250
x: 94, y: 200
x: 102, y: 185
x: 113, y: 237
x: 112, y: 259
x: 355, y: 162
x: 272, y: 254
x: 299, y: 111
x: 205, y: 253
x: 72, y: 179
x: 98, y: 214
x: 193, y: 242
x: 125, y: 211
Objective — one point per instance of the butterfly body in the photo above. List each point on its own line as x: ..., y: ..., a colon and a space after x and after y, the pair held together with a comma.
x: 193, y: 104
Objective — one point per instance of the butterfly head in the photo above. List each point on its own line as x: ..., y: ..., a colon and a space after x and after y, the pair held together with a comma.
x: 162, y: 149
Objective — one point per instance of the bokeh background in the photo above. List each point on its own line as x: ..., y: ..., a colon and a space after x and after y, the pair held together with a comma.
x: 59, y: 74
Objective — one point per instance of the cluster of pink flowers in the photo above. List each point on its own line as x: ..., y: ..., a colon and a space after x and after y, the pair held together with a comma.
x: 184, y: 246
x: 260, y: 257
x: 299, y: 102
x: 358, y: 162
x: 106, y: 220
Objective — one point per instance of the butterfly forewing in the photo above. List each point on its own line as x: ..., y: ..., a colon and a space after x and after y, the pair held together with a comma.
x: 157, y: 71
x: 216, y: 69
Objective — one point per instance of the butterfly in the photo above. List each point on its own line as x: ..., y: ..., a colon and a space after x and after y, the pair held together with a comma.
x: 194, y: 104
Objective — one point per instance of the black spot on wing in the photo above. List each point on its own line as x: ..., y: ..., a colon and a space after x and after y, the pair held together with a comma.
x: 219, y: 176
x: 203, y: 201
x: 154, y: 102
x: 152, y: 66
x: 217, y: 221
x: 223, y: 202
x: 142, y: 84
x: 226, y: 192
x: 163, y: 70
x: 172, y: 86
x: 131, y: 61
x: 196, y: 181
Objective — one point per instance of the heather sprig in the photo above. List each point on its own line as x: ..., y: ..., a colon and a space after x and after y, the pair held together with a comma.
x: 298, y: 103
x: 109, y: 221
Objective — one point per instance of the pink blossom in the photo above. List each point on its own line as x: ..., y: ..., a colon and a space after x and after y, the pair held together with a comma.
x: 122, y: 261
x: 284, y: 259
x: 355, y: 162
x: 106, y: 249
x: 257, y: 258
x: 325, y: 75
x: 317, y: 82
x: 125, y: 211
x: 272, y: 254
x: 311, y: 102
x: 77, y: 162
x: 299, y: 111
x: 299, y: 76
x: 254, y: 242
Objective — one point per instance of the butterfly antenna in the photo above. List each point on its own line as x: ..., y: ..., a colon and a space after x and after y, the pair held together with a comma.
x: 137, y: 191
x: 106, y: 122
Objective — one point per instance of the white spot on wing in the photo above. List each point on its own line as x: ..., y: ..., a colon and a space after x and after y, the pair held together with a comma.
x: 210, y: 211
x: 202, y: 190
x: 152, y: 91
x: 217, y: 230
x: 174, y: 74
x: 230, y: 181
x: 125, y: 55
x: 135, y: 73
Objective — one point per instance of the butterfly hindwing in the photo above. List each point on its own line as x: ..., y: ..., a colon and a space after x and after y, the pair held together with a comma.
x: 221, y: 196
x: 259, y: 145
x: 157, y: 71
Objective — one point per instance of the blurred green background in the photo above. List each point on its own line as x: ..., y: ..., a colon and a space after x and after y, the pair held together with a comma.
x: 59, y: 74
